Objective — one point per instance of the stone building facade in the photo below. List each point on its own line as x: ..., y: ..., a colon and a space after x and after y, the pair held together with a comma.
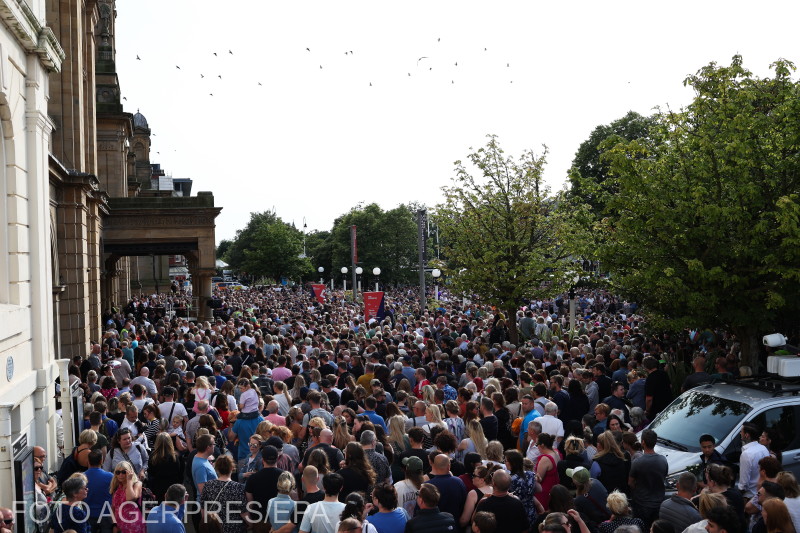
x: 75, y: 166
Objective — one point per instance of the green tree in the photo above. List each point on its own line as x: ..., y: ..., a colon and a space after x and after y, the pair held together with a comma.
x: 319, y: 250
x: 223, y: 247
x: 268, y: 248
x: 705, y: 230
x: 275, y: 253
x: 589, y: 175
x: 506, y: 238
x: 385, y: 239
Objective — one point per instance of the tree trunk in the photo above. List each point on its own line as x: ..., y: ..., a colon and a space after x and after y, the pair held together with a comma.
x: 751, y: 346
x: 511, y: 323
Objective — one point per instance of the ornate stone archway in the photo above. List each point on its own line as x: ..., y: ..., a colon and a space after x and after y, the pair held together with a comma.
x: 162, y: 226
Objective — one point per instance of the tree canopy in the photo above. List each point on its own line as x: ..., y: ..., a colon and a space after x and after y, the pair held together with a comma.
x: 268, y: 248
x: 705, y: 228
x: 505, y: 236
x: 589, y: 175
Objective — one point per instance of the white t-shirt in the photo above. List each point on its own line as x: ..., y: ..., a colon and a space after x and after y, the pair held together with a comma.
x: 406, y: 495
x: 179, y: 410
x: 322, y: 517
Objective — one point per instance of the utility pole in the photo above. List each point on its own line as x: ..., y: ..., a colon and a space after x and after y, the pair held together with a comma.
x: 421, y: 234
x: 354, y: 259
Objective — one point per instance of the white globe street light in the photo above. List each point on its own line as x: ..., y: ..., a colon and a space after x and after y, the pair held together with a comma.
x: 359, y: 271
x: 376, y: 272
x: 436, y: 273
x: 321, y: 270
x: 344, y: 278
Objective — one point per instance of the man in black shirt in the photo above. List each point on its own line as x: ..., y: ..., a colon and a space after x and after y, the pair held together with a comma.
x: 335, y: 455
x: 508, y: 510
x: 429, y: 518
x: 488, y: 420
x: 262, y: 486
x: 657, y: 388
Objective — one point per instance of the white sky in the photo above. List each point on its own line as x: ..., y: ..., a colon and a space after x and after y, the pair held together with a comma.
x: 313, y: 142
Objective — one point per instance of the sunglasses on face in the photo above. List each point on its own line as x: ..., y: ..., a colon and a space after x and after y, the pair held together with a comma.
x: 118, y: 472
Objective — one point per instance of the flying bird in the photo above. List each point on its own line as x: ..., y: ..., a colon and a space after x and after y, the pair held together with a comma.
x: 202, y: 76
x: 370, y: 84
x: 320, y: 67
x: 259, y: 83
x: 420, y: 59
x: 456, y: 63
x: 508, y: 64
x: 409, y: 74
x: 220, y: 76
x: 177, y: 67
x: 452, y: 82
x: 124, y: 98
x: 138, y: 58
x: 210, y: 94
x: 484, y: 49
x: 439, y: 40
x: 231, y: 53
x: 308, y: 49
x: 351, y: 52
x: 215, y: 53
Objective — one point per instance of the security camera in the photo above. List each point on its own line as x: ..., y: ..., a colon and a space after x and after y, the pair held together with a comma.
x: 776, y: 340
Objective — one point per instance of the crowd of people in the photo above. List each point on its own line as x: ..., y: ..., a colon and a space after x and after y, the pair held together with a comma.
x: 290, y: 415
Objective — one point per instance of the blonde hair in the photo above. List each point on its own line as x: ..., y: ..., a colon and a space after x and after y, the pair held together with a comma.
x: 435, y: 413
x: 87, y: 436
x: 711, y: 500
x: 617, y: 502
x: 397, y: 431
x: 128, y: 468
x: 264, y: 429
x: 428, y: 393
x: 609, y: 445
x: 280, y: 387
x: 494, y: 451
x: 476, y: 435
x: 286, y: 483
x: 201, y: 383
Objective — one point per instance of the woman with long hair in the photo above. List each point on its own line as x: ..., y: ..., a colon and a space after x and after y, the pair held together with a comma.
x: 319, y: 460
x: 358, y: 473
x: 720, y: 480
x: 614, y: 466
x: 299, y: 383
x: 397, y: 437
x: 165, y: 468
x: 355, y: 508
x: 523, y: 484
x: 126, y: 489
x: 776, y: 516
x: 482, y: 481
x: 282, y: 397
x: 222, y: 407
x: 475, y: 440
x: 574, y: 456
x: 294, y: 421
x: 546, y: 467
x: 428, y: 395
x: 341, y: 435
x: 153, y: 427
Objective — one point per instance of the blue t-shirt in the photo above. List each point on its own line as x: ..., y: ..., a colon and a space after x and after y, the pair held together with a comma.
x: 73, y: 517
x: 202, y: 472
x: 523, y: 429
x: 99, y: 496
x: 244, y: 429
x: 376, y: 419
x: 165, y: 519
x: 392, y: 522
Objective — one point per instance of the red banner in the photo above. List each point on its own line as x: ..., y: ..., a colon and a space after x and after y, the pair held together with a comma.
x: 319, y: 292
x: 373, y: 306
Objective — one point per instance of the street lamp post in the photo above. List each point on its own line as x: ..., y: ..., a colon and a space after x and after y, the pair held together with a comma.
x: 376, y: 272
x: 344, y: 278
x: 574, y: 278
x: 359, y: 271
x: 436, y: 273
x: 321, y: 270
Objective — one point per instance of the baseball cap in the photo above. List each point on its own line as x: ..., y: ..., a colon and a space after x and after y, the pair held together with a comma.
x: 413, y: 463
x: 277, y: 442
x: 578, y: 474
x: 269, y: 453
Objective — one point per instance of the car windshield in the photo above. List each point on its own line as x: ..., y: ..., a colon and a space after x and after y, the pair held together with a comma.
x: 694, y: 413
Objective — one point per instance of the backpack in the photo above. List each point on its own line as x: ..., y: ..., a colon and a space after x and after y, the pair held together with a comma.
x: 147, y: 500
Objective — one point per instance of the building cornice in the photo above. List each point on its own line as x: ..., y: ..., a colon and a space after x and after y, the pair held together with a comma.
x: 31, y: 35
